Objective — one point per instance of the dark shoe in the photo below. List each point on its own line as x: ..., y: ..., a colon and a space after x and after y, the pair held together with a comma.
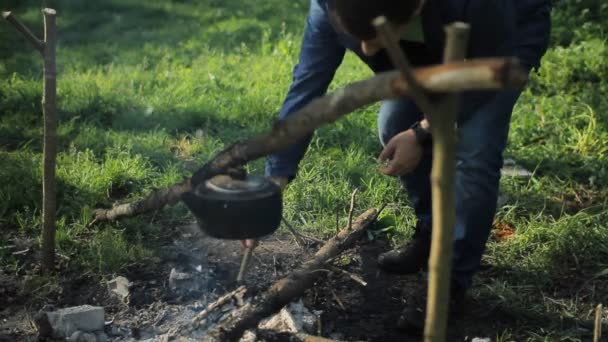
x: 411, y: 257
x: 413, y: 316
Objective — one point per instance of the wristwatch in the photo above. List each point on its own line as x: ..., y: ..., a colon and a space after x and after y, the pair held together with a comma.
x: 423, y: 136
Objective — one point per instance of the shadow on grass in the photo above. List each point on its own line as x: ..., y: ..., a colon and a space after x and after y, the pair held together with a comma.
x: 113, y: 31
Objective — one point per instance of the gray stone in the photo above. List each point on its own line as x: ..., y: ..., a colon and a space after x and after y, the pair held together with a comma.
x: 511, y: 169
x: 86, y: 318
x: 120, y: 287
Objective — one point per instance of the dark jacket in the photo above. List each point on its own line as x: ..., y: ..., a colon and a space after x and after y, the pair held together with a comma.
x: 518, y: 28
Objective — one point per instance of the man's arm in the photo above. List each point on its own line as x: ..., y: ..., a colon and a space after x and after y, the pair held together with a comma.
x: 320, y: 55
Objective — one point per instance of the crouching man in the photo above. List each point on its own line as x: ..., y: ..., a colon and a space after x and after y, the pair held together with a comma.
x: 498, y: 28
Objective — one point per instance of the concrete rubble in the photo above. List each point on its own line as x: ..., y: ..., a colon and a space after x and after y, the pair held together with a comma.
x: 512, y: 169
x: 119, y: 286
x: 72, y: 323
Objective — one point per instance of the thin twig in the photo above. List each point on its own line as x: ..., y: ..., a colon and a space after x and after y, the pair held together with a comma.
x: 219, y: 302
x: 352, y: 208
x: 295, y: 232
x: 338, y: 300
x: 597, y: 331
x: 337, y: 218
x: 350, y: 275
x: 299, y: 241
x: 245, y: 264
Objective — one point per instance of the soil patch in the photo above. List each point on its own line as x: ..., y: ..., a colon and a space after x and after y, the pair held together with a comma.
x: 347, y: 309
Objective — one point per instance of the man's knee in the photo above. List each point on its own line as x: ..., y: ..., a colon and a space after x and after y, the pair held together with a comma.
x: 396, y: 116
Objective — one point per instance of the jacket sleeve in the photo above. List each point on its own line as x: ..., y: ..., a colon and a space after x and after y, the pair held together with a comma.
x: 533, y: 31
x: 505, y: 28
x: 320, y: 55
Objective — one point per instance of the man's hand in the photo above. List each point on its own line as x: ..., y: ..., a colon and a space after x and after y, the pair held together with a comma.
x: 282, y: 183
x: 403, y: 153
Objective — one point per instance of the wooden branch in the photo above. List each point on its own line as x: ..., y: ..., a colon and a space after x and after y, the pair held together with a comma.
x: 391, y: 45
x: 240, y: 291
x: 49, y: 109
x: 24, y: 31
x: 443, y: 119
x: 482, y: 74
x: 155, y: 201
x: 597, y: 327
x: 290, y: 287
x: 240, y: 278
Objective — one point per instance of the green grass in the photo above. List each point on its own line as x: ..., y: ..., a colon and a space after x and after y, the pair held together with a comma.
x: 148, y: 88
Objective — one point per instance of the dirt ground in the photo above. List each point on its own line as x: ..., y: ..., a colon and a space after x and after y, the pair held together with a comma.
x: 348, y: 310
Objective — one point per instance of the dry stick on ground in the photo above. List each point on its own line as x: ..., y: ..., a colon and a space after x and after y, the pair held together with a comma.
x: 442, y: 113
x: 240, y: 291
x: 597, y: 330
x: 352, y: 208
x: 290, y: 287
x: 49, y: 110
x: 350, y: 275
x: 482, y: 74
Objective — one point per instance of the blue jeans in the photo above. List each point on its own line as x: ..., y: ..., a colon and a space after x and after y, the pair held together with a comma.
x: 483, y: 130
x: 482, y: 137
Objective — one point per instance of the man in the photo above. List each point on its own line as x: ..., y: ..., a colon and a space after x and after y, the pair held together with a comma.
x: 517, y: 28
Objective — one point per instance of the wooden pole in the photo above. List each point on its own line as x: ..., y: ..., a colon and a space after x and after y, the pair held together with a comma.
x: 443, y: 121
x: 24, y: 31
x: 49, y: 107
x: 442, y: 113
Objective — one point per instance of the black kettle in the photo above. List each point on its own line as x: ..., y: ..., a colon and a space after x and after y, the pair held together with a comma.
x: 236, y: 209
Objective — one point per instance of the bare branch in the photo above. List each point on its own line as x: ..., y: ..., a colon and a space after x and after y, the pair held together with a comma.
x: 482, y: 74
x: 245, y: 264
x: 299, y: 236
x: 24, y: 31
